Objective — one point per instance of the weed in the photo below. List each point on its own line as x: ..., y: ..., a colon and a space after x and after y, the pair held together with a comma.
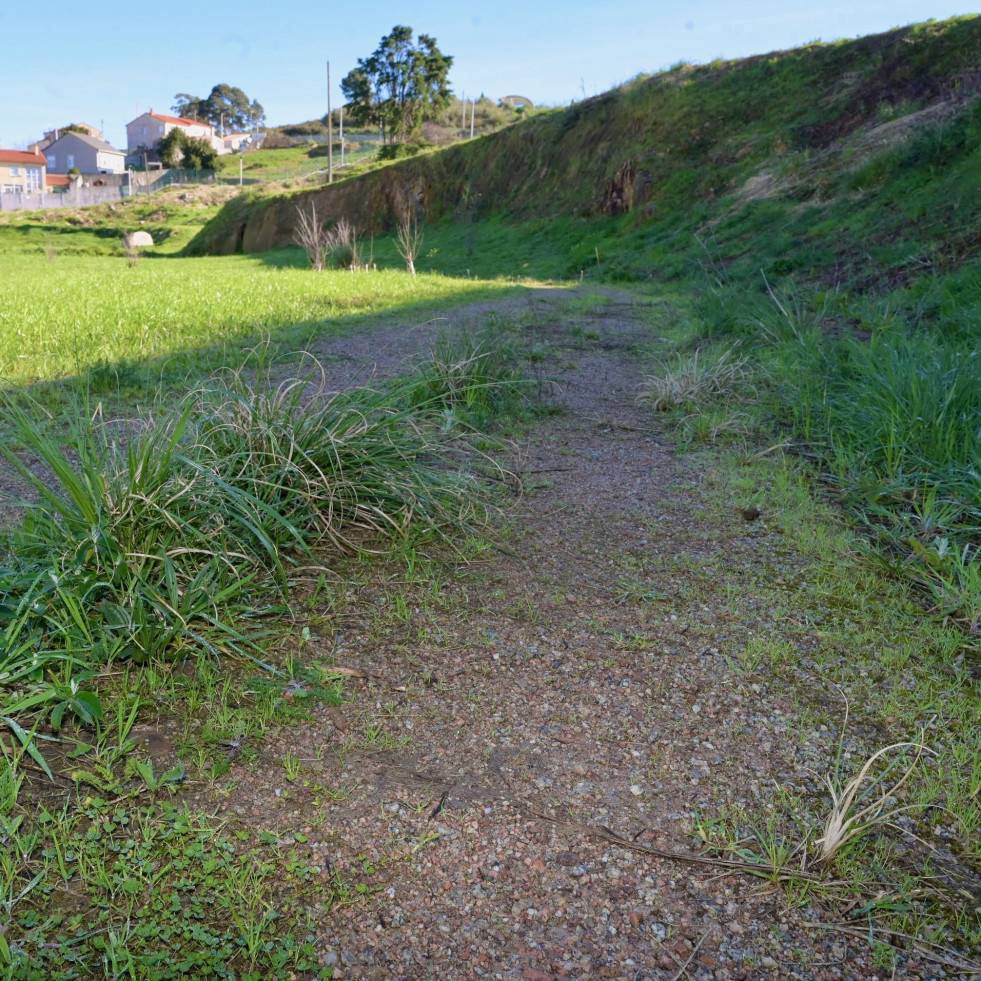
x: 409, y: 239
x: 312, y: 236
x: 173, y: 898
x: 696, y: 380
x: 470, y: 378
x: 866, y: 800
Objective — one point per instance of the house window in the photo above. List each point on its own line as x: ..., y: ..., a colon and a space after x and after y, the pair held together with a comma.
x: 160, y: 128
x: 71, y: 160
x: 143, y: 131
x: 53, y: 161
x: 33, y: 175
x: 15, y: 171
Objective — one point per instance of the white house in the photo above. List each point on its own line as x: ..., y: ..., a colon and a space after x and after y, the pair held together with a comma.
x: 242, y: 141
x: 22, y: 173
x: 84, y: 153
x: 148, y: 129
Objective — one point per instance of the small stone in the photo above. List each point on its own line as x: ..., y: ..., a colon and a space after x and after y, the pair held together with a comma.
x: 635, y: 917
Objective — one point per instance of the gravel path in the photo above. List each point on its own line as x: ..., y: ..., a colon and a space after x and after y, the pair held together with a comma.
x: 568, y: 689
x: 528, y: 735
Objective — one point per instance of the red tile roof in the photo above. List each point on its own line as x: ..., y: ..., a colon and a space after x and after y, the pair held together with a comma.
x: 22, y: 157
x: 57, y: 180
x: 178, y: 120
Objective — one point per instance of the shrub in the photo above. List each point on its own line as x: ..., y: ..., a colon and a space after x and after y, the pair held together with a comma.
x: 177, y: 149
x: 398, y: 151
x: 343, y: 248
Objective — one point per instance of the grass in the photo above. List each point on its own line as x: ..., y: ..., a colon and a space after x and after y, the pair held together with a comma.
x: 80, y: 313
x: 696, y: 380
x: 138, y: 889
x: 882, y: 396
x: 168, y: 216
x: 179, y: 545
x: 156, y: 550
x: 471, y: 379
x: 912, y: 762
x: 291, y: 164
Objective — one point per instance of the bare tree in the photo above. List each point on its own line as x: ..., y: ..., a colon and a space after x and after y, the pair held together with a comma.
x: 408, y: 239
x: 312, y: 236
x: 343, y: 247
x: 336, y: 245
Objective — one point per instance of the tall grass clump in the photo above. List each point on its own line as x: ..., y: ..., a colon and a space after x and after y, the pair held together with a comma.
x: 693, y: 380
x: 173, y: 537
x: 907, y: 409
x: 469, y: 377
x: 894, y: 420
x: 334, y: 464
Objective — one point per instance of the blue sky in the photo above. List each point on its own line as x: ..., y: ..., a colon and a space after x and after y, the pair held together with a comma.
x: 100, y: 63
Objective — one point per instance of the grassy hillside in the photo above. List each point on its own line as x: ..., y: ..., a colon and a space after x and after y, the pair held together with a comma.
x: 820, y: 209
x: 846, y: 162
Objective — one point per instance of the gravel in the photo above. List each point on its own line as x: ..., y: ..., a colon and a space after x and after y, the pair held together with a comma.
x: 581, y: 678
x: 552, y: 695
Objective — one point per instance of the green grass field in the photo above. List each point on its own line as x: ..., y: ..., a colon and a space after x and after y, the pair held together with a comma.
x: 290, y: 163
x: 64, y: 317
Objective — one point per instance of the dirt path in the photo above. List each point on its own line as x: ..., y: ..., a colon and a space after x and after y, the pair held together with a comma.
x: 582, y: 676
x: 524, y: 731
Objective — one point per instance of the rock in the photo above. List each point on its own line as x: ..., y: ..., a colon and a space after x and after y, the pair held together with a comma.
x: 134, y: 240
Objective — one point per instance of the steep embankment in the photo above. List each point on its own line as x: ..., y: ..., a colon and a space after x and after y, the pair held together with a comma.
x: 846, y: 161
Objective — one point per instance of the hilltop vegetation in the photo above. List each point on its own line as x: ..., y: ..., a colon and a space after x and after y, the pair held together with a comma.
x: 846, y: 163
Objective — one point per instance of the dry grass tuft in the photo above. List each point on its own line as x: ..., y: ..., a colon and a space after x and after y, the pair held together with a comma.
x: 695, y: 380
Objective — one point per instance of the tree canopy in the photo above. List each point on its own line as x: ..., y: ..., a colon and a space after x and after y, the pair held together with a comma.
x: 400, y: 85
x: 177, y: 149
x: 226, y: 106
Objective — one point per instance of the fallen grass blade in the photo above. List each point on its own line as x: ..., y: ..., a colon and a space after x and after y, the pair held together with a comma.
x: 847, y: 820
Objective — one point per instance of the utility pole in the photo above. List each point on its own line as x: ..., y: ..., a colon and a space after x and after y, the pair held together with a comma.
x: 463, y: 113
x: 342, y: 136
x: 473, y: 110
x: 330, y: 134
